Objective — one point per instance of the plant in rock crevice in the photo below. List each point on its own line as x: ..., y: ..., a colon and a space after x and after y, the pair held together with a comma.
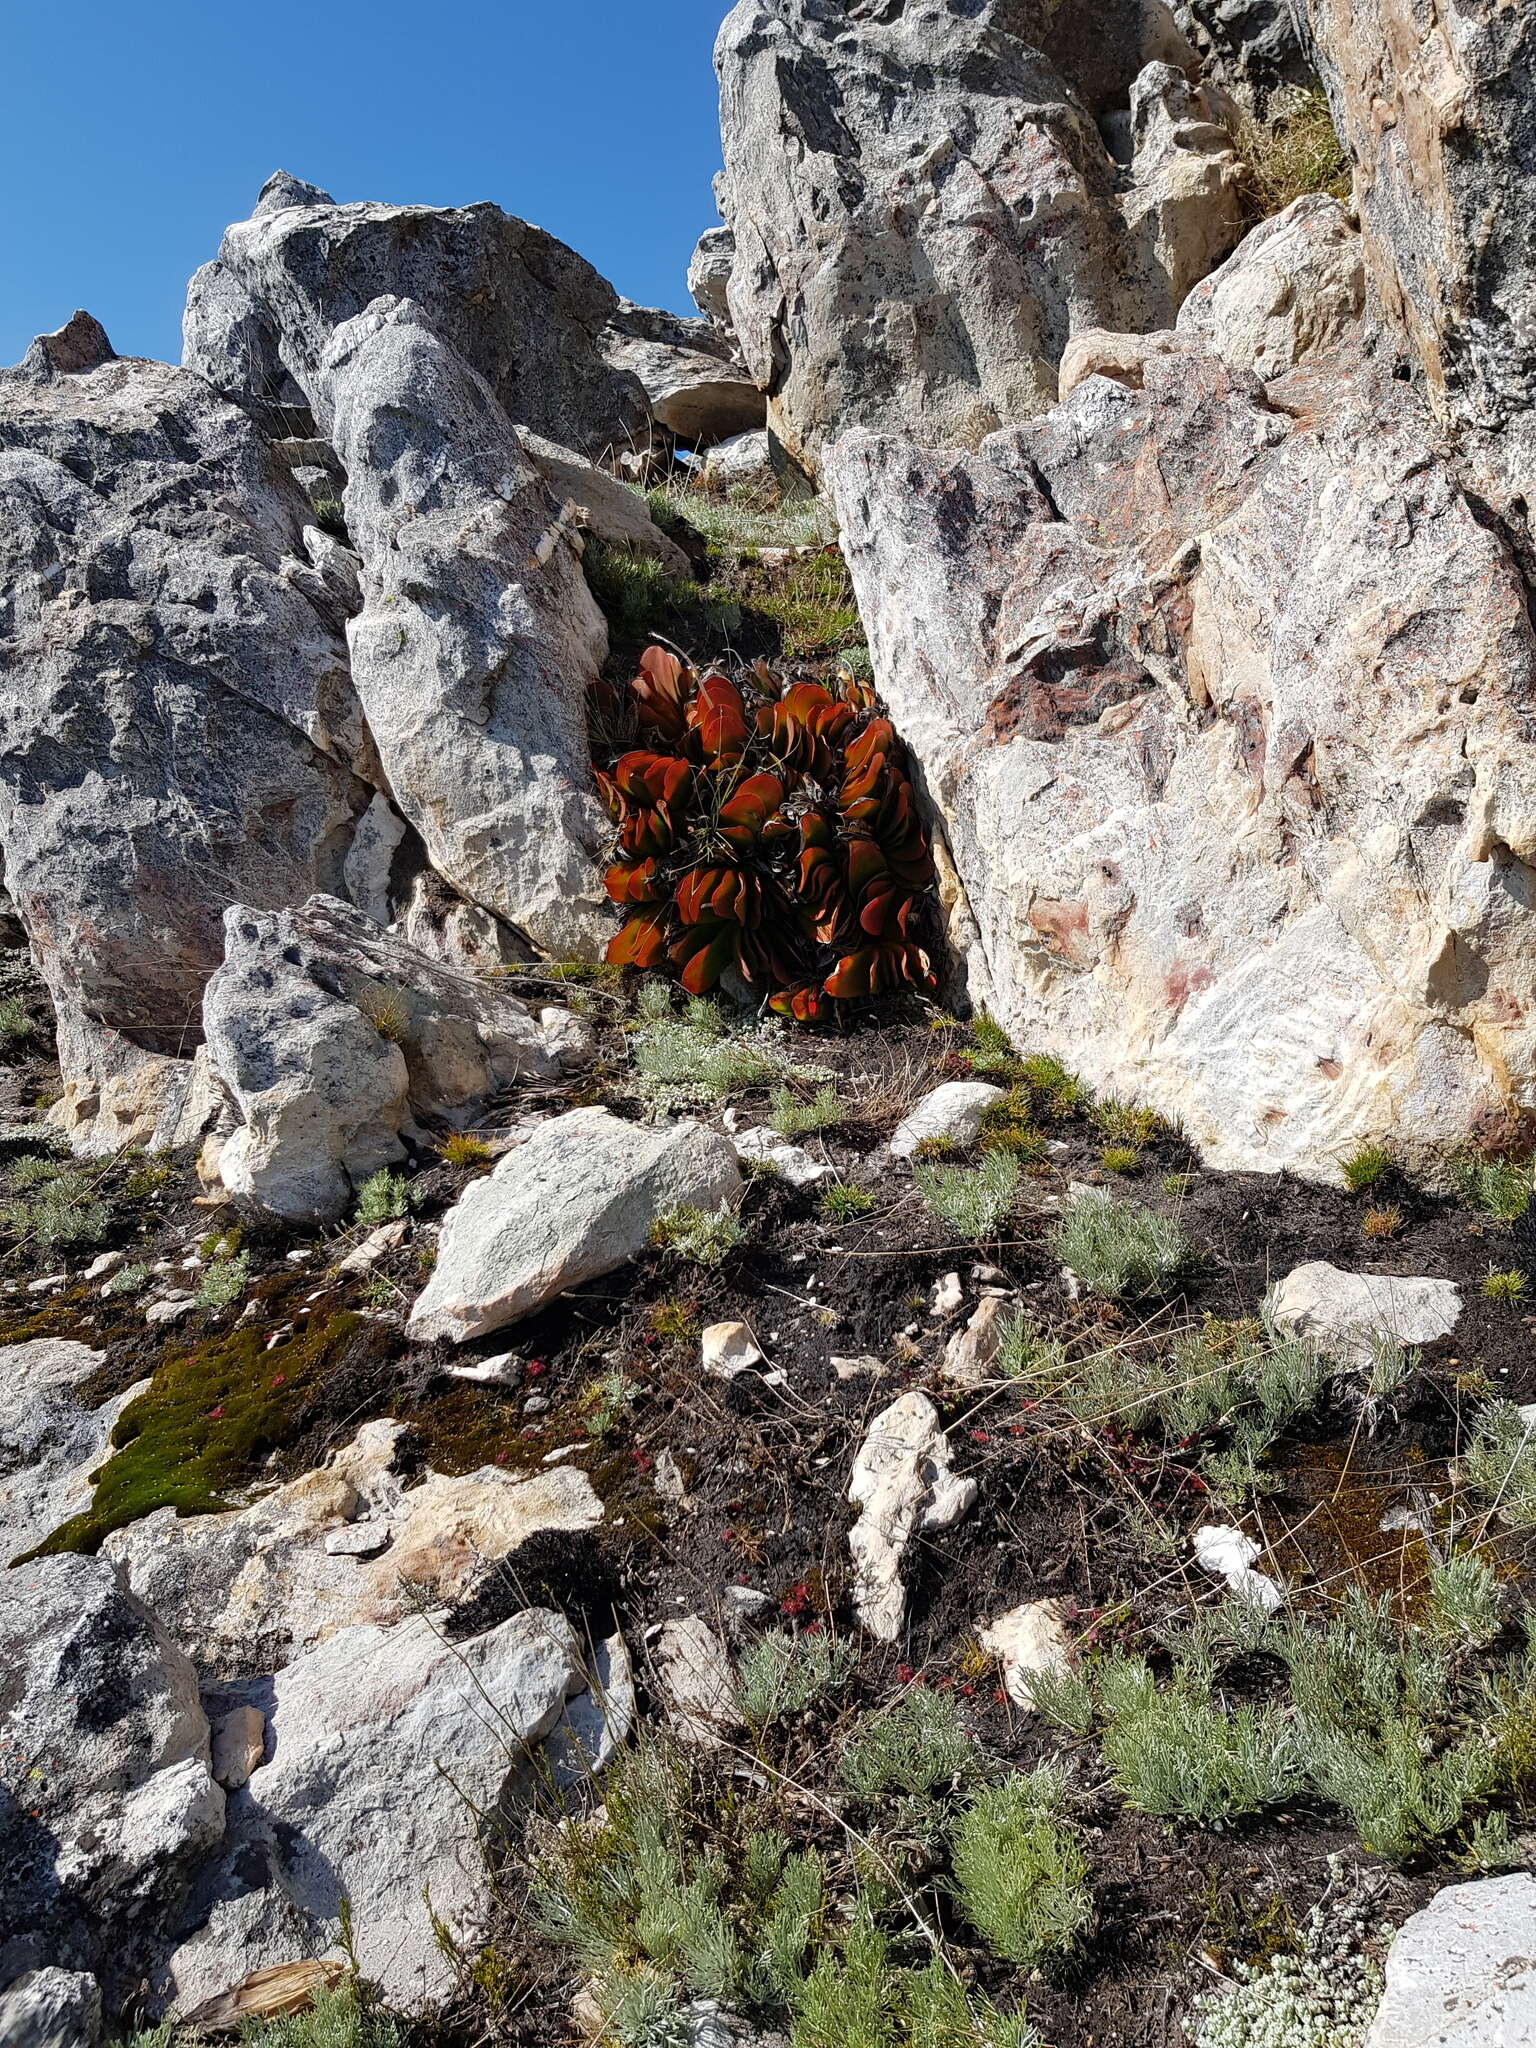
x: 782, y: 844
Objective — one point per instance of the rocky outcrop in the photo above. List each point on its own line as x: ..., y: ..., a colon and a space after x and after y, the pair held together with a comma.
x: 1254, y: 48
x: 524, y: 311
x: 924, y: 211
x: 51, y: 2009
x: 178, y: 727
x: 115, y: 1804
x: 709, y: 276
x: 697, y: 389
x: 1291, y: 290
x: 577, y: 1200
x: 328, y: 1036
x: 392, y: 1748
x: 1238, y: 833
x: 477, y: 633
x: 50, y: 1441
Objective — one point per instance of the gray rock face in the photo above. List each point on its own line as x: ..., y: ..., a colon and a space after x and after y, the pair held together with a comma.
x: 1461, y: 1973
x: 327, y: 1033
x: 50, y: 1442
x: 709, y: 276
x: 608, y: 510
x: 1228, y: 836
x: 119, y: 1803
x: 477, y: 635
x: 575, y: 1201
x: 177, y: 723
x: 522, y: 309
x: 51, y: 2009
x: 697, y: 388
x: 384, y: 1746
x: 1252, y: 47
x: 924, y: 212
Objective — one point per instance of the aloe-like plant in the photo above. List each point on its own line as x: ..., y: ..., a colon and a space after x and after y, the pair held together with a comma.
x: 779, y: 839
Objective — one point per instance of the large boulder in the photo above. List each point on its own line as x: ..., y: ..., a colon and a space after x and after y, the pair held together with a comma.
x: 177, y: 721
x: 1291, y: 290
x: 709, y: 276
x: 697, y: 388
x: 114, y: 1805
x: 522, y: 309
x: 477, y: 634
x: 575, y: 1201
x: 924, y: 211
x: 1220, y: 707
x: 388, y: 1751
x: 329, y: 1035
x: 1253, y: 48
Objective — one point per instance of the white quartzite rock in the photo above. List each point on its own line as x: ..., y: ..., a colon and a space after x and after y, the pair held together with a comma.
x: 576, y: 1200
x: 1291, y: 289
x: 792, y: 1161
x: 1462, y: 1973
x: 1029, y: 1641
x: 697, y: 1681
x: 1347, y: 1315
x: 952, y: 1112
x: 902, y: 1483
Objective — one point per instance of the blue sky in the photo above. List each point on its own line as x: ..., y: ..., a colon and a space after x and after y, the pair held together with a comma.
x: 131, y: 134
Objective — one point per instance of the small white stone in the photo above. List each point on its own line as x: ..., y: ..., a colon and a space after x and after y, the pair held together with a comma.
x: 1228, y: 1554
x: 1029, y: 1641
x: 107, y: 1262
x: 947, y: 1296
x: 727, y: 1349
x: 504, y: 1370
x: 356, y: 1539
x: 951, y: 1112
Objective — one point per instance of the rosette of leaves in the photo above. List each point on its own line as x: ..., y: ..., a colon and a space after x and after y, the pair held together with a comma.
x: 774, y: 832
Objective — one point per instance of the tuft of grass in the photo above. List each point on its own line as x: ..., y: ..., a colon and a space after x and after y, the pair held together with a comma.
x: 463, y: 1149
x: 1296, y: 154
x: 1020, y: 1874
x: 741, y: 518
x: 1120, y: 1159
x: 1057, y: 1093
x: 1498, y: 1461
x: 1508, y: 1287
x: 793, y: 1116
x: 696, y: 1235
x: 845, y: 1200
x: 388, y: 1010
x: 224, y: 1281
x: 673, y: 1320
x: 1364, y: 1167
x: 1008, y: 1126
x: 1383, y: 1222
x: 1122, y: 1123
x: 1498, y: 1188
x: 973, y: 1202
x: 640, y: 599
x: 1119, y: 1250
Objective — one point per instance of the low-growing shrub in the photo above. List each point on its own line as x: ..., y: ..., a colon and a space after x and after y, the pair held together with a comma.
x: 785, y: 1674
x: 1120, y: 1250
x: 224, y: 1281
x: 972, y: 1201
x: 15, y: 1024
x: 55, y: 1205
x: 1498, y: 1461
x: 793, y: 1116
x: 1498, y: 1188
x: 1020, y: 1875
x: 683, y: 1062
x: 914, y: 1747
x: 844, y: 1199
x: 1008, y: 1126
x: 697, y: 1235
x: 383, y: 1198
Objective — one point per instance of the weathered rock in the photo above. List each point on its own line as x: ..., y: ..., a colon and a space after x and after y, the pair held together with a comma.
x: 1255, y: 48
x: 696, y: 387
x: 524, y: 311
x: 239, y: 1743
x: 577, y: 1200
x: 1094, y: 353
x: 792, y: 1161
x: 51, y: 2009
x: 971, y: 1353
x: 902, y: 1483
x: 951, y: 1113
x: 1290, y: 290
x: 1460, y: 1973
x: 1348, y: 1315
x: 744, y: 462
x: 258, y: 1585
x: 477, y: 635
x: 328, y: 1034
x: 177, y: 722
x: 609, y: 511
x: 924, y: 212
x: 50, y: 1442
x: 117, y: 1803
x: 728, y: 1349
x: 709, y: 276
x: 1030, y: 1641
x: 1231, y: 835
x: 697, y: 1682
x: 388, y: 1744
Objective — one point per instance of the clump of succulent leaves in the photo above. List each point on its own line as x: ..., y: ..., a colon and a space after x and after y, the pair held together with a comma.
x: 766, y: 827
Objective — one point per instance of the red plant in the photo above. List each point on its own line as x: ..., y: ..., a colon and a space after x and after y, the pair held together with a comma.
x: 785, y: 845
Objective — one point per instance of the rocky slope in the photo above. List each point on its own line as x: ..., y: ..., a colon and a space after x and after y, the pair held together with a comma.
x: 538, y: 1508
